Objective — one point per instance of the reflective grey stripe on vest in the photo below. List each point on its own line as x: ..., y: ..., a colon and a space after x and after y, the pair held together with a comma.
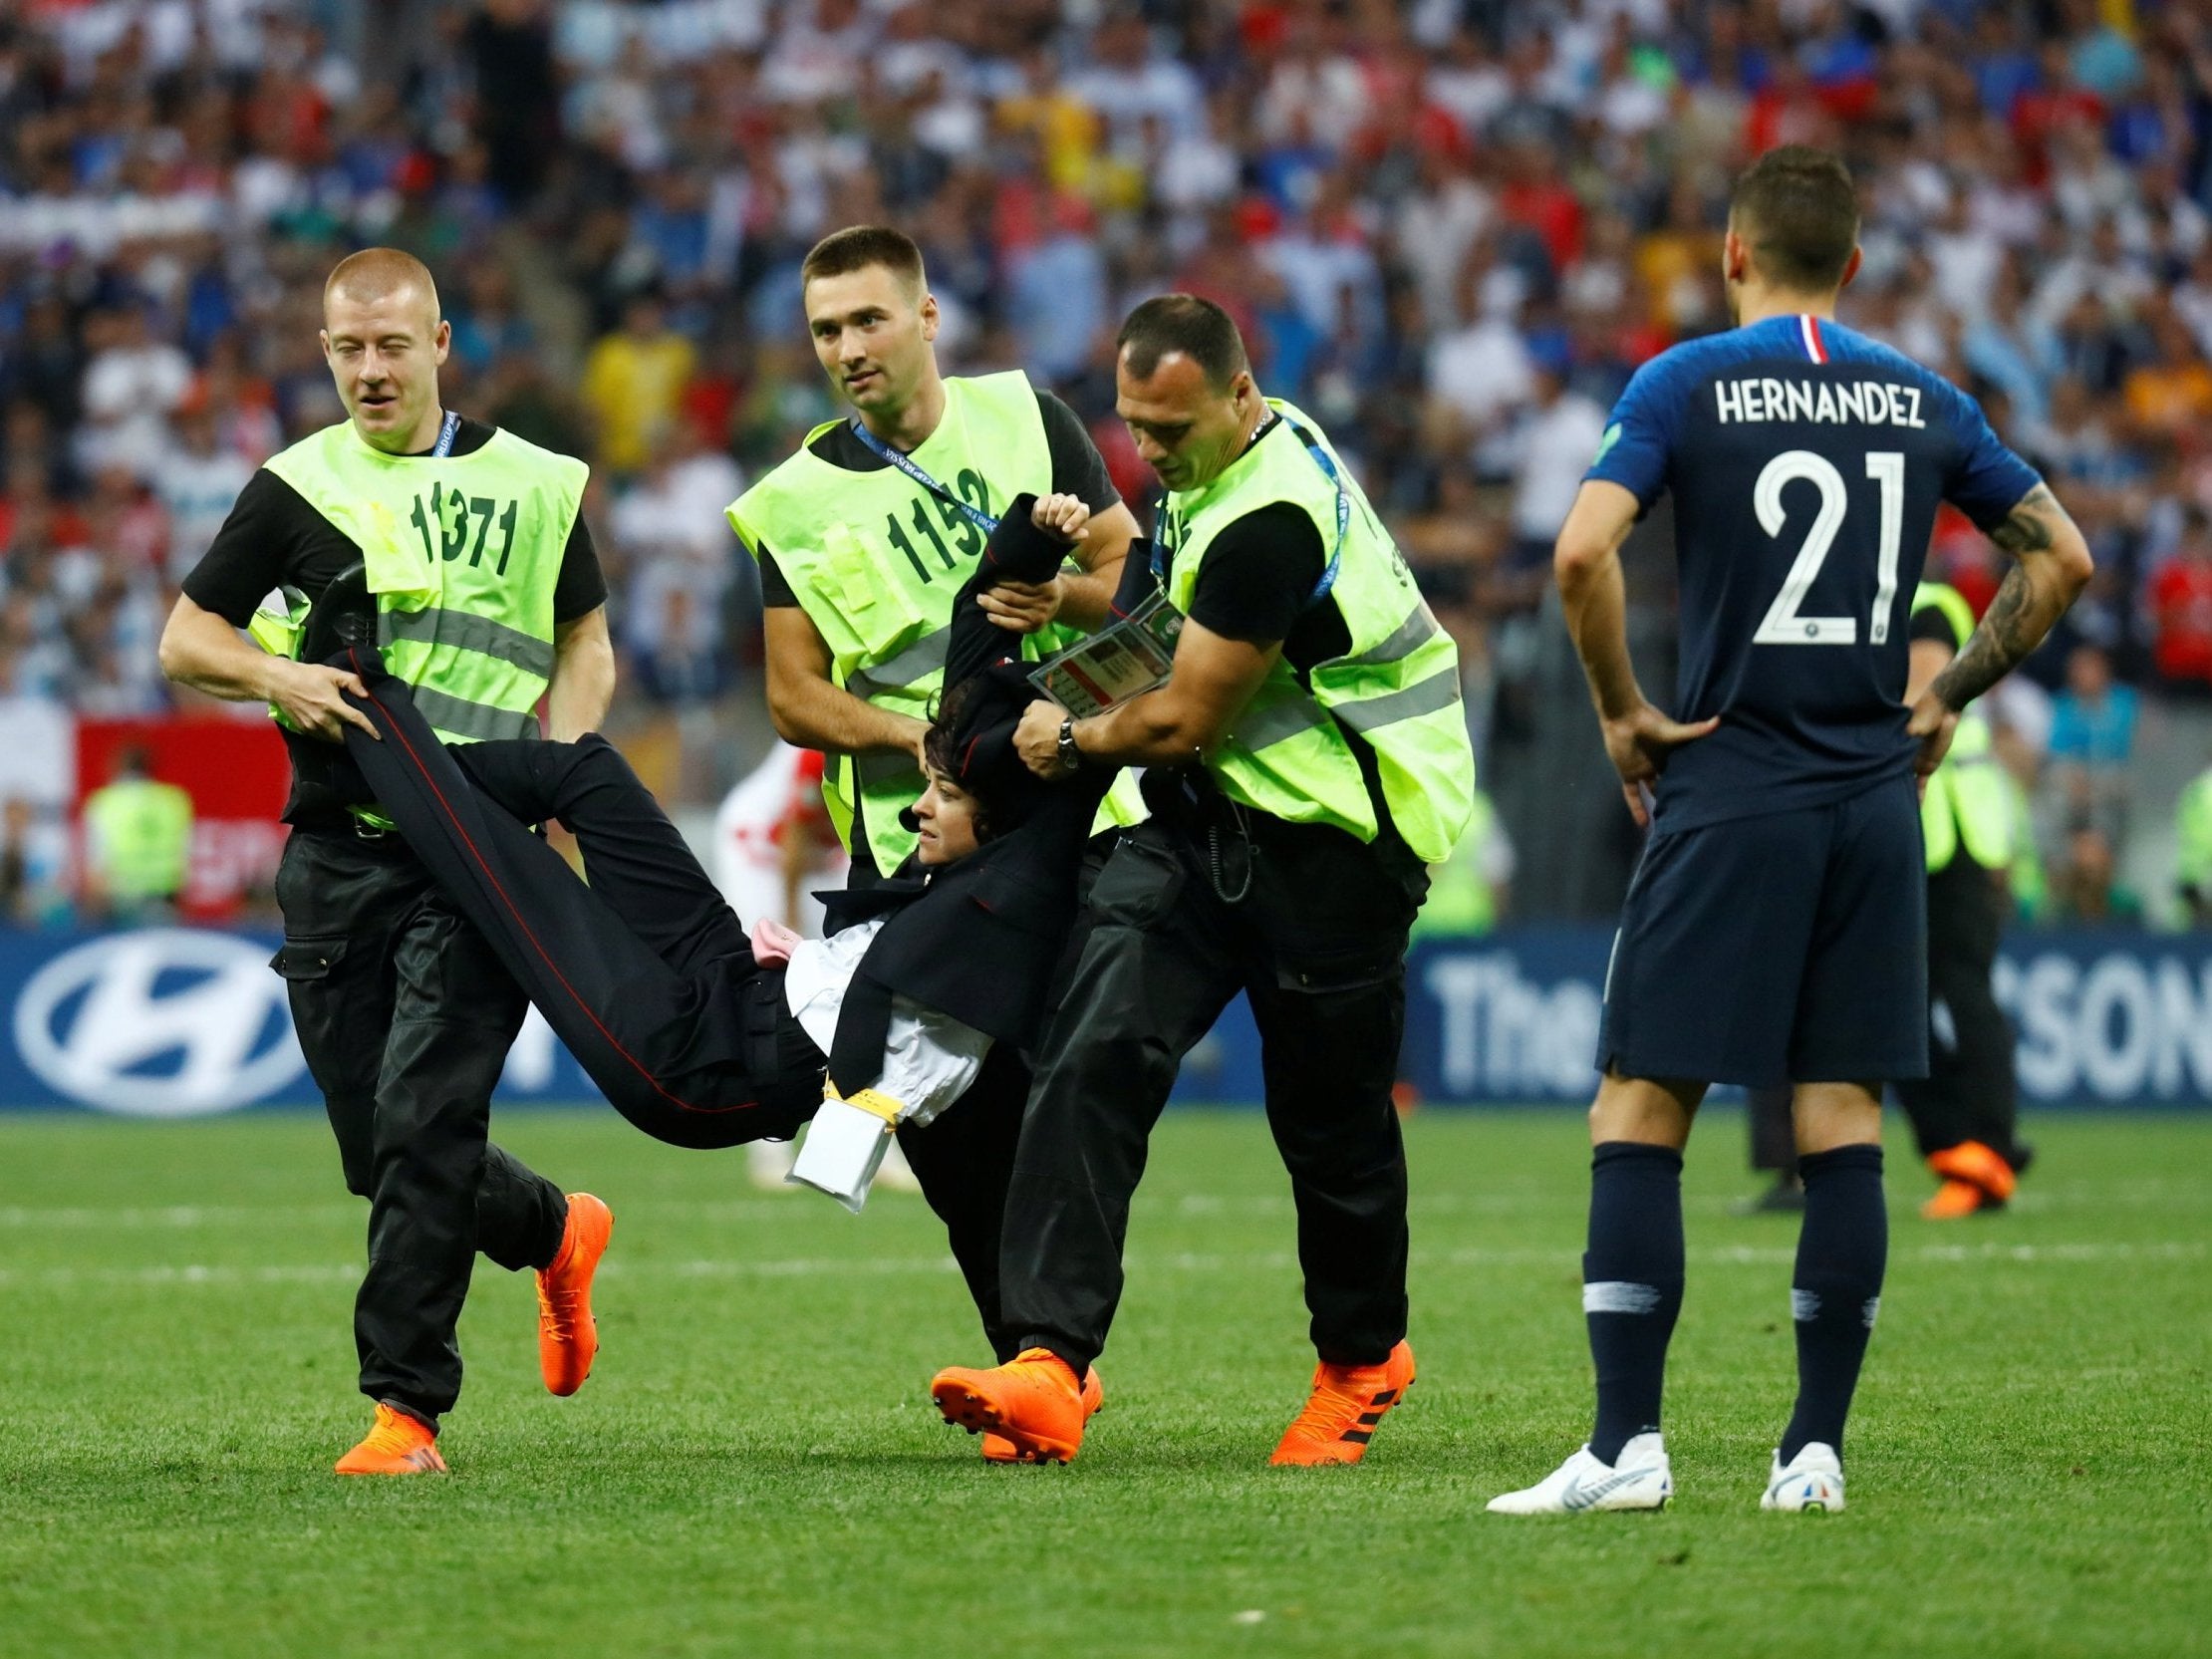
x: 1295, y: 715
x: 917, y: 662
x: 1422, y: 697
x: 476, y: 721
x: 468, y: 632
x: 1416, y: 631
x: 1288, y: 718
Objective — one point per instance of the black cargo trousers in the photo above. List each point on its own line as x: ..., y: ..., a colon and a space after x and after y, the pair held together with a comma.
x: 1316, y: 940
x: 1967, y: 1094
x: 405, y: 1015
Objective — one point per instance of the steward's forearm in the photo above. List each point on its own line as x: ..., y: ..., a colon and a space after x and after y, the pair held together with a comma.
x: 583, y: 685
x: 1159, y: 728
x: 1087, y: 597
x: 201, y: 649
x: 815, y: 715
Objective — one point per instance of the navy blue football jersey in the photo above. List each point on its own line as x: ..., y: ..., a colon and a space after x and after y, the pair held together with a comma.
x: 1807, y: 465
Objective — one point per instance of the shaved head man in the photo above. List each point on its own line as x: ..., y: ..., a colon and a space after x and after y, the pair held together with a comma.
x: 460, y: 552
x: 384, y: 341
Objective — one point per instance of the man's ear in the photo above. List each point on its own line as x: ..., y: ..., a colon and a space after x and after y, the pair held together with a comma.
x: 1859, y: 257
x: 930, y: 316
x: 1734, y: 257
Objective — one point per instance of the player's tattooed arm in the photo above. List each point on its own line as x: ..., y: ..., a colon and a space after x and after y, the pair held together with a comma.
x: 2051, y: 566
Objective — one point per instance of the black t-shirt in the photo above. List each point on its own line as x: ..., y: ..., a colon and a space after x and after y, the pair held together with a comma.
x: 1256, y: 587
x: 1078, y: 470
x: 274, y: 540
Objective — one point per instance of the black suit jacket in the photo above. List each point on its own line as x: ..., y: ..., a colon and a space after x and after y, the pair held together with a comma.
x: 979, y: 940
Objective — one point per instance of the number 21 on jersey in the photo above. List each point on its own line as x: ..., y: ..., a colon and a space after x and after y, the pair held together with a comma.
x: 1783, y: 624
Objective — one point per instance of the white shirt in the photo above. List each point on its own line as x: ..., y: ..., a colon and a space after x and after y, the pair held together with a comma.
x: 930, y: 1060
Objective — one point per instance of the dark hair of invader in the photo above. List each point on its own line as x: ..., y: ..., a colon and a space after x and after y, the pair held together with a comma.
x: 859, y: 246
x: 941, y: 749
x: 1200, y: 329
x: 1797, y: 209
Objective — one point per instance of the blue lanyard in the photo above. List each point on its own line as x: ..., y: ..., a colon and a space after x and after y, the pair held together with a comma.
x: 445, y: 436
x: 911, y: 468
x: 1327, y: 465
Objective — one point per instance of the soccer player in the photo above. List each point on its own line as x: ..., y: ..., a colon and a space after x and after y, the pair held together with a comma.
x: 1774, y: 930
x: 489, y: 597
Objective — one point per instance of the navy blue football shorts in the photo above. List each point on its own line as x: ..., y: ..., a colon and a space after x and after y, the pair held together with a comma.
x: 1791, y: 947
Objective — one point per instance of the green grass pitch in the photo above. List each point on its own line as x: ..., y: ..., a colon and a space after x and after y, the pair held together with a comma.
x: 755, y: 1468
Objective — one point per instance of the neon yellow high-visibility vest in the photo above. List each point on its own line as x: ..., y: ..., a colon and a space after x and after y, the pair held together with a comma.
x: 144, y: 832
x: 2193, y: 827
x: 1398, y: 687
x: 1461, y: 903
x: 463, y: 553
x: 1967, y: 802
x: 875, y: 561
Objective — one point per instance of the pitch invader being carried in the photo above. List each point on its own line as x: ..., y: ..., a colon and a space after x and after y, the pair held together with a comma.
x: 1776, y: 928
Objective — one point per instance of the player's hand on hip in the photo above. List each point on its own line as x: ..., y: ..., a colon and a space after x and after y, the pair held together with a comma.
x: 1022, y: 606
x: 1037, y: 738
x: 1639, y: 742
x: 1932, y: 724
x: 308, y: 694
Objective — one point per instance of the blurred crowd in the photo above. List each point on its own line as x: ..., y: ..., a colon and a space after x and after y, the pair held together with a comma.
x: 1451, y: 229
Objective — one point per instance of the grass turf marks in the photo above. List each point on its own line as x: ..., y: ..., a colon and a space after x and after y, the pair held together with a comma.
x: 755, y: 1468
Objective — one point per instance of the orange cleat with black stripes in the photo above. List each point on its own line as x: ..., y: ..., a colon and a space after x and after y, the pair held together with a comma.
x: 1974, y: 1178
x: 999, y: 1449
x: 1346, y: 1406
x: 1031, y: 1402
x: 568, y: 1335
x: 396, y: 1444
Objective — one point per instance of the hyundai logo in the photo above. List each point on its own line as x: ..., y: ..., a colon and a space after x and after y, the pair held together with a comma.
x: 162, y: 1023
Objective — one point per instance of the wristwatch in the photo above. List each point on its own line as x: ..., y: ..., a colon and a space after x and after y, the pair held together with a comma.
x: 1071, y: 758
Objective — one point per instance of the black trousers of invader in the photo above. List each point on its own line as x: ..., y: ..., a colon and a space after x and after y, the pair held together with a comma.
x: 1317, y: 943
x: 405, y: 1015
x: 646, y: 973
x: 1967, y: 1094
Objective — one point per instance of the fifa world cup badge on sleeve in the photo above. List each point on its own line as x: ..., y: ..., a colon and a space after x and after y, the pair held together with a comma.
x: 1132, y: 657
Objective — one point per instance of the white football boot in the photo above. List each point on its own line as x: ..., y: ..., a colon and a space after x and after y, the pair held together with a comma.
x: 1813, y: 1484
x: 1641, y: 1480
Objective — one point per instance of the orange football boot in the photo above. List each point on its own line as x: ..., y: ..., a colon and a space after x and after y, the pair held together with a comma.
x: 1341, y: 1413
x: 1031, y: 1402
x: 1988, y: 1181
x: 568, y: 1335
x: 1953, y: 1199
x: 999, y: 1449
x: 396, y: 1444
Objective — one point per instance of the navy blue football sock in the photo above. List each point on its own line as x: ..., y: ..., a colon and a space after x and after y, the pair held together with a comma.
x: 1631, y: 1284
x: 1836, y: 1288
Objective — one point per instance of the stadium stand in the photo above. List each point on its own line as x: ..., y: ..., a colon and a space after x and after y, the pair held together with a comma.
x: 1451, y: 229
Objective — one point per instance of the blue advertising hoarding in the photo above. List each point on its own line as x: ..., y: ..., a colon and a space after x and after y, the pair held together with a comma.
x: 179, y: 1022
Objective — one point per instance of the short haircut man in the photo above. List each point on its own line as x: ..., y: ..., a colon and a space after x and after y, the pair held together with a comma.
x: 860, y: 247
x: 1797, y: 209
x: 1183, y: 322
